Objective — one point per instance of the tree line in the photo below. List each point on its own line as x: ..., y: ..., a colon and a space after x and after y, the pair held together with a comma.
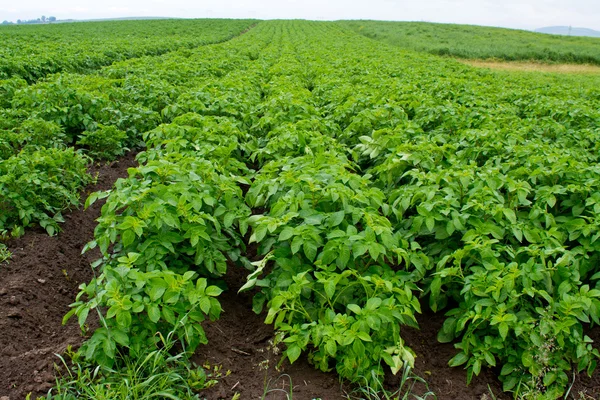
x: 42, y: 20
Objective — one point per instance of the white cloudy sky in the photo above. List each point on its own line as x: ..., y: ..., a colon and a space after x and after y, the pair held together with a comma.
x: 525, y: 14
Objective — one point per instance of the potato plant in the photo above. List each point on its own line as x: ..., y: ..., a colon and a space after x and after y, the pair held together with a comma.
x: 333, y: 288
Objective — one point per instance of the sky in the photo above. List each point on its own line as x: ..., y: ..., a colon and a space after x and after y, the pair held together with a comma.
x: 522, y: 14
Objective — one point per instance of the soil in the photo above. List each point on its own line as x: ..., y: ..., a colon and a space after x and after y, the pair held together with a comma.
x: 41, y: 280
x: 36, y: 287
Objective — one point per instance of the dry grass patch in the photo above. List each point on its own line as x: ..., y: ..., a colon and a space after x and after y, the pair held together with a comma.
x: 529, y: 66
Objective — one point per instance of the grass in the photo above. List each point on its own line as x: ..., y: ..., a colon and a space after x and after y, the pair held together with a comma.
x: 406, y: 389
x: 156, y: 375
x: 479, y: 42
x: 529, y: 66
x: 289, y: 395
x: 5, y: 254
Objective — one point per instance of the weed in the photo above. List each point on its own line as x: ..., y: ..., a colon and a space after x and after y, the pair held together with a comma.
x: 406, y: 389
x: 5, y: 254
x: 154, y: 374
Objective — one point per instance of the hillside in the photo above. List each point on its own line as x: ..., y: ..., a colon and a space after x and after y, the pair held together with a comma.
x: 480, y: 42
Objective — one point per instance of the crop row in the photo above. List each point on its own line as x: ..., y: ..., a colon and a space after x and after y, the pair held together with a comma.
x: 31, y: 52
x: 101, y: 114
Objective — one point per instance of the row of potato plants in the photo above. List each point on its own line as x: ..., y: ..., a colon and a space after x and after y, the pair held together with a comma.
x: 100, y: 115
x: 32, y: 52
x: 327, y: 280
x: 164, y: 232
x: 168, y: 232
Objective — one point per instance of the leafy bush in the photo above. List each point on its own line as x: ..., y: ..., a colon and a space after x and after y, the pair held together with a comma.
x: 39, y: 134
x: 36, y: 186
x: 331, y: 290
x: 106, y: 142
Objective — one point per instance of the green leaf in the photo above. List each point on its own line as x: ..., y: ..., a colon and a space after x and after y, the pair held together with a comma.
x: 82, y: 315
x: 128, y: 237
x: 213, y: 291
x: 155, y: 292
x: 359, y: 248
x: 124, y: 318
x: 310, y: 250
x: 153, y: 312
x: 476, y: 367
x: 205, y: 304
x: 331, y: 347
x: 527, y: 359
x: 510, y: 215
x: 458, y: 359
x: 120, y: 337
x: 293, y: 352
x: 510, y: 383
x: 344, y: 256
x: 228, y: 219
x: 549, y: 378
x: 507, y: 369
x: 336, y: 218
x: 329, y: 287
x: 171, y: 296
x: 286, y: 233
x: 168, y: 315
x: 259, y: 233
x: 430, y: 223
x: 503, y: 329
x: 354, y: 308
x: 296, y: 244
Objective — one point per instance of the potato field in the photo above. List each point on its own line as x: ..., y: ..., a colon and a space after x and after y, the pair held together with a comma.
x: 346, y: 192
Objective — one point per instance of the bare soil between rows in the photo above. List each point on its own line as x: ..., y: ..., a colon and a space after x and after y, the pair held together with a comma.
x: 41, y: 280
x: 36, y: 287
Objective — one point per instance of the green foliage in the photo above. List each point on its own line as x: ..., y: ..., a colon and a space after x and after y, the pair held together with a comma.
x: 34, y: 51
x: 106, y: 142
x: 470, y: 41
x: 32, y: 134
x: 5, y: 254
x: 154, y: 373
x: 40, y: 134
x: 36, y: 186
x: 331, y: 289
x: 373, y: 180
x: 405, y: 390
x: 8, y: 87
x: 163, y: 231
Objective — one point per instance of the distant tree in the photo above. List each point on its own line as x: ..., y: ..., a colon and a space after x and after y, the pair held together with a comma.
x: 5, y: 22
x: 18, y: 21
x: 51, y: 19
x: 43, y: 18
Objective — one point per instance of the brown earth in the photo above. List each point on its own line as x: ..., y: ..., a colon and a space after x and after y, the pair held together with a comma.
x: 41, y: 280
x: 36, y: 287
